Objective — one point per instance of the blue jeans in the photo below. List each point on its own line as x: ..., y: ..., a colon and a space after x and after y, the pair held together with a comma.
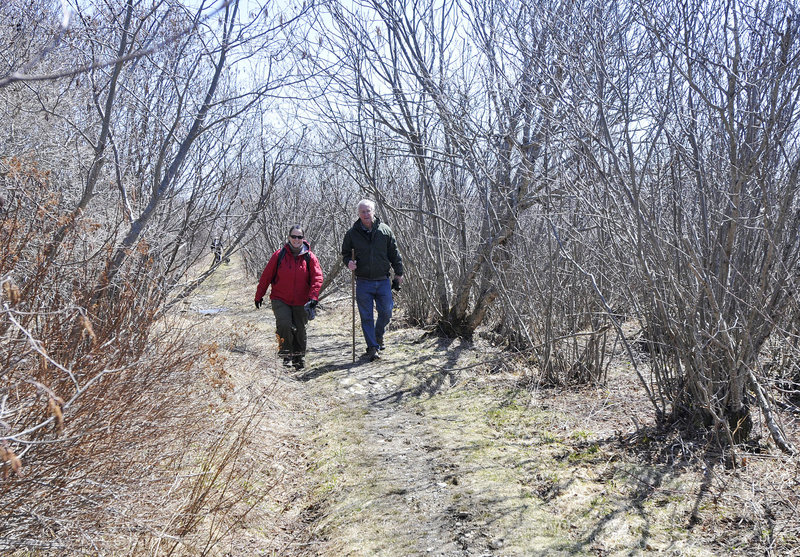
x: 374, y: 294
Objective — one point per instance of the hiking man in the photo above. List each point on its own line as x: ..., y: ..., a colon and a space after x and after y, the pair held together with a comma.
x: 375, y: 251
x: 216, y: 247
x: 296, y: 278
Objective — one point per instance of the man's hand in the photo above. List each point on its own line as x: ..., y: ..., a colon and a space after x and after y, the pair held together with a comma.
x: 351, y: 265
x: 258, y: 302
x: 396, y: 282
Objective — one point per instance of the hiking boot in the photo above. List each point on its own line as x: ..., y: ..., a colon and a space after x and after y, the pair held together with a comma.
x: 287, y: 361
x: 381, y: 347
x: 298, y: 363
x: 372, y: 354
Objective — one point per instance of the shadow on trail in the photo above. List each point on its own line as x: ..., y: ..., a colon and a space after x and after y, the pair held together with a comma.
x: 317, y: 372
x: 649, y: 482
x: 431, y: 378
x: 620, y: 495
x: 428, y: 385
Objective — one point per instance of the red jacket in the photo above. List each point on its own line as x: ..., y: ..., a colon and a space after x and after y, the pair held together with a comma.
x: 293, y: 284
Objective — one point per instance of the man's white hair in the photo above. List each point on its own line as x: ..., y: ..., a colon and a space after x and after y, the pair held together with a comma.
x: 366, y: 203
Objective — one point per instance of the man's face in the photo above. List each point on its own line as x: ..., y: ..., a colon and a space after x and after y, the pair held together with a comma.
x: 365, y: 213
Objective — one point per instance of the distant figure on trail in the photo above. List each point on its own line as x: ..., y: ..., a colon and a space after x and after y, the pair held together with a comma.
x: 375, y: 252
x: 296, y: 278
x: 216, y: 247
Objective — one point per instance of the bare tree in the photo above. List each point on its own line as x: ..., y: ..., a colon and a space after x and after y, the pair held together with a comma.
x: 123, y: 158
x: 471, y: 126
x: 682, y: 125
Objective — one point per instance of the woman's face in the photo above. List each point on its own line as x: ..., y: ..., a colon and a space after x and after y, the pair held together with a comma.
x: 296, y: 238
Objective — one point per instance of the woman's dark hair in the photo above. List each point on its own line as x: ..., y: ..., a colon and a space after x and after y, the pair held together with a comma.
x: 296, y: 227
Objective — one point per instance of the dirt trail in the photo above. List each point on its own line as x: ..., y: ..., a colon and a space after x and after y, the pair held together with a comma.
x: 441, y: 448
x: 398, y: 478
x: 379, y: 480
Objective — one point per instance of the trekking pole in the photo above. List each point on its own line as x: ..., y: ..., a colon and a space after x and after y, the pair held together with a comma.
x: 353, y: 298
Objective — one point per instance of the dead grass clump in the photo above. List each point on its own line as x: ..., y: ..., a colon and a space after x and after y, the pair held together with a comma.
x: 104, y: 438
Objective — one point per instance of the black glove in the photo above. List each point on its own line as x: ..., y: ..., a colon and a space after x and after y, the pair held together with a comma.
x: 258, y: 302
x: 310, y: 308
x: 396, y: 284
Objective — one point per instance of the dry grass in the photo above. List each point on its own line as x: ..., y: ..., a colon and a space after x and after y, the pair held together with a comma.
x: 119, y: 435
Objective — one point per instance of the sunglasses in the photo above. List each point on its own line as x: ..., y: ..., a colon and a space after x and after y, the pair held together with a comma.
x: 295, y: 237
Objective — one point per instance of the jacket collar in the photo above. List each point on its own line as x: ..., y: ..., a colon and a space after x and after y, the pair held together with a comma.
x: 305, y: 248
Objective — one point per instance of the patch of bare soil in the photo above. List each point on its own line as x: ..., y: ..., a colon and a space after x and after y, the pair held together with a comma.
x: 449, y: 448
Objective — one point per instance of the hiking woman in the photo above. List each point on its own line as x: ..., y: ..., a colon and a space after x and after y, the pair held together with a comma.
x: 296, y: 278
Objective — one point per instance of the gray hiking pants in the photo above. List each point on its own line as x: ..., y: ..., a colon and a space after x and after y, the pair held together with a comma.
x: 290, y: 326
